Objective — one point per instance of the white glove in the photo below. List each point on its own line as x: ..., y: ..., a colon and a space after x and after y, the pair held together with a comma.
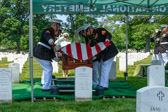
x: 56, y: 59
x: 107, y: 40
x: 56, y: 48
x: 94, y: 57
x: 51, y: 41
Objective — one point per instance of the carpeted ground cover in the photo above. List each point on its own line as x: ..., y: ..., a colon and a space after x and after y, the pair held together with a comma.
x: 22, y: 91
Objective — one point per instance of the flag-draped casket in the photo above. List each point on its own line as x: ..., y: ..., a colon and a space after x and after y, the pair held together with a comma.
x: 80, y: 54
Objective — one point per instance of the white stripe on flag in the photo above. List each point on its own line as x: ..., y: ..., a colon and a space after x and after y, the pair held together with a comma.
x: 64, y: 50
x: 84, y: 52
x: 94, y: 51
x: 73, y: 50
x: 102, y: 46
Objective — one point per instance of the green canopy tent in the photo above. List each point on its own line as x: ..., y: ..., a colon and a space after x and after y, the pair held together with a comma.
x: 148, y: 7
x: 100, y: 6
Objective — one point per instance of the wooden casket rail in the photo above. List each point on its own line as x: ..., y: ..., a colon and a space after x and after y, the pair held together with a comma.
x: 70, y: 63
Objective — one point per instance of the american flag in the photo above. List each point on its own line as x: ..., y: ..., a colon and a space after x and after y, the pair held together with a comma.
x: 81, y: 51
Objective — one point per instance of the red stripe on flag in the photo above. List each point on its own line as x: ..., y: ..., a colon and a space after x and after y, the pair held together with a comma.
x: 98, y: 49
x: 60, y: 51
x: 68, y: 50
x: 89, y: 51
x: 107, y: 43
x: 78, y: 50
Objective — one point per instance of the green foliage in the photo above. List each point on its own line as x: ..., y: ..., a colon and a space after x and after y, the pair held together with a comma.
x: 78, y: 20
x: 117, y: 38
x: 11, y: 27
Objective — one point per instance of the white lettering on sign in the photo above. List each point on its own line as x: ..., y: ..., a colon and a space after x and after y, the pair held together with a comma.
x: 123, y: 9
x: 44, y: 8
x: 51, y: 8
x: 100, y: 9
x: 116, y: 8
x: 58, y: 8
x: 93, y: 9
x: 162, y: 8
x: 103, y: 9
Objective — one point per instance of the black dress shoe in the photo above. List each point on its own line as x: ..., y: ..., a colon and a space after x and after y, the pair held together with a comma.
x: 46, y: 90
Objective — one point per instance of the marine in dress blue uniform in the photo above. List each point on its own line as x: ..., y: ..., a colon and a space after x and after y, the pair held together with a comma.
x: 161, y: 45
x: 44, y: 52
x: 106, y: 57
x: 90, y: 41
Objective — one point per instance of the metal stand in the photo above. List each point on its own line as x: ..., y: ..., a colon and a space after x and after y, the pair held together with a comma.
x: 64, y: 85
x: 125, y: 74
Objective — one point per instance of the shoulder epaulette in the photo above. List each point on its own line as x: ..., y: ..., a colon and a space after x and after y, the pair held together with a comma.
x: 103, y: 32
x: 47, y: 31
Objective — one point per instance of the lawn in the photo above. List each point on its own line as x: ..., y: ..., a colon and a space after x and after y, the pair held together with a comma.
x: 100, y: 105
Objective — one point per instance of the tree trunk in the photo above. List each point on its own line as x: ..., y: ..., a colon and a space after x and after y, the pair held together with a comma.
x: 147, y: 44
x: 18, y: 47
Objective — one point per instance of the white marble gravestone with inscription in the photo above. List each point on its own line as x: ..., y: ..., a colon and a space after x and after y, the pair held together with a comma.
x: 156, y: 75
x: 155, y: 62
x: 113, y: 72
x: 83, y: 83
x: 152, y: 99
x: 5, y: 85
x: 55, y: 67
x: 15, y: 72
x: 122, y: 62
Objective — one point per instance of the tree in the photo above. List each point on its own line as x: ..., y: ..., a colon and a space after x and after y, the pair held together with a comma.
x: 14, y: 24
x: 14, y: 21
x: 140, y: 29
x: 141, y: 36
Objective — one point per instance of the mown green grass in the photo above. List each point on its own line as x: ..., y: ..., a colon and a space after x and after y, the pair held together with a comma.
x: 4, y: 63
x: 108, y: 105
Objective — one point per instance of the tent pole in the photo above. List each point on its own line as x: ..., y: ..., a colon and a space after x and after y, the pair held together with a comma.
x: 31, y: 48
x: 126, y: 73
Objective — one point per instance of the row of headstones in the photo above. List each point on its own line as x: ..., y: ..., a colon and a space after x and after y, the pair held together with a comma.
x: 140, y: 51
x: 11, y: 75
x: 154, y: 97
x: 83, y: 81
x: 9, y: 56
x: 132, y: 57
x: 16, y: 58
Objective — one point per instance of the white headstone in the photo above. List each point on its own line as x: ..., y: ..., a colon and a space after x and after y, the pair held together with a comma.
x: 0, y: 57
x: 55, y: 67
x: 131, y: 59
x: 152, y: 99
x: 156, y: 75
x: 15, y: 72
x: 122, y: 62
x: 5, y: 85
x: 83, y: 84
x: 155, y: 62
x: 113, y: 72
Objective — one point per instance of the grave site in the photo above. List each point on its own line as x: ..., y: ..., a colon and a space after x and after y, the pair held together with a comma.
x: 78, y: 86
x: 138, y: 78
